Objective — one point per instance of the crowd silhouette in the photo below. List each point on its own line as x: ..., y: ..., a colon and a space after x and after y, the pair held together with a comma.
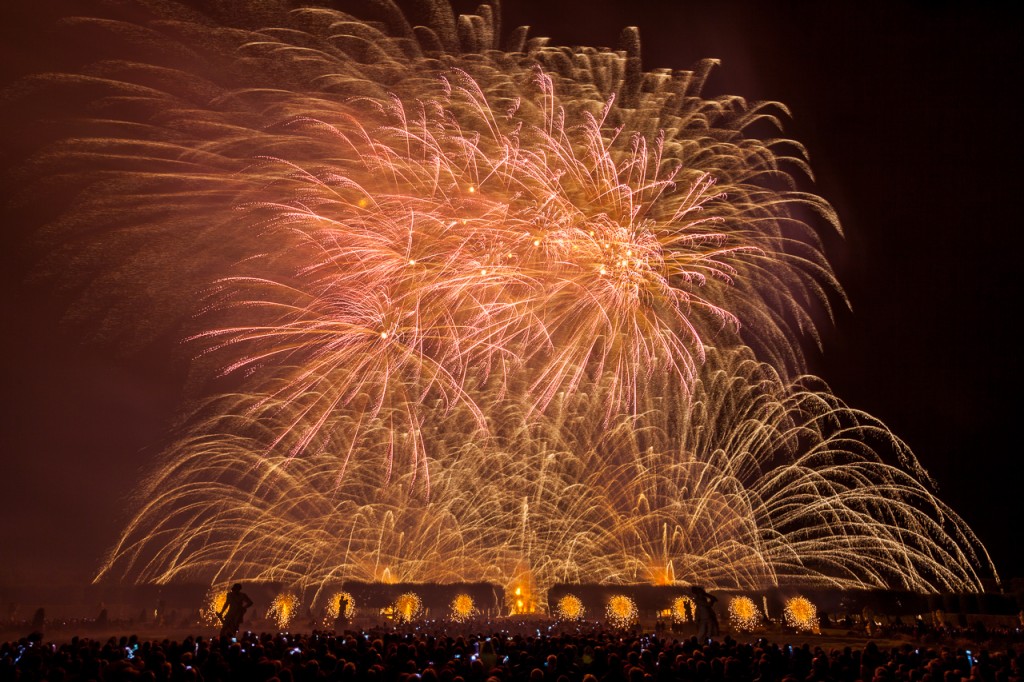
x: 594, y: 656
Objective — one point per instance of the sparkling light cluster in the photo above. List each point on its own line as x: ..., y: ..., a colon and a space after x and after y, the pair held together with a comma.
x: 333, y: 606
x: 683, y: 609
x: 743, y: 614
x: 407, y: 607
x: 462, y: 608
x: 570, y: 607
x: 520, y: 598
x: 213, y: 603
x: 621, y: 611
x: 473, y: 308
x: 800, y: 614
x: 283, y: 609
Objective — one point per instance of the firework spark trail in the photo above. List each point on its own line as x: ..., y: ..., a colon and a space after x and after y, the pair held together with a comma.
x: 523, y: 315
x: 782, y: 491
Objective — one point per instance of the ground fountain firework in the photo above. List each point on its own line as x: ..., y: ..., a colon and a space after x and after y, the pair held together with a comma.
x: 283, y: 609
x: 570, y: 607
x: 621, y: 612
x: 474, y: 308
x: 209, y: 613
x: 683, y: 609
x: 800, y: 614
x: 332, y: 611
x: 743, y: 614
x: 407, y: 607
x: 462, y: 608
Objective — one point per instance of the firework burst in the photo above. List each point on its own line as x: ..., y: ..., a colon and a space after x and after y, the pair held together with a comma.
x: 407, y: 607
x: 570, y: 607
x: 474, y: 310
x: 462, y: 608
x: 621, y: 611
x: 800, y: 614
x: 743, y: 614
x: 214, y: 602
x: 683, y: 609
x: 333, y: 610
x: 570, y: 499
x: 477, y: 221
x: 283, y: 609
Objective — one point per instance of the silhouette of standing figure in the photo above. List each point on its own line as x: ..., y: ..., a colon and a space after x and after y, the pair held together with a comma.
x: 342, y: 619
x: 235, y: 606
x: 707, y: 620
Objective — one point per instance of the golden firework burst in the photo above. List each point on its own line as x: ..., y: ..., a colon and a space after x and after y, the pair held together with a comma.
x: 743, y: 614
x: 332, y: 611
x: 479, y: 301
x: 408, y: 607
x: 462, y: 608
x: 621, y: 611
x: 213, y: 604
x: 683, y: 609
x: 800, y: 614
x: 283, y: 609
x: 570, y: 607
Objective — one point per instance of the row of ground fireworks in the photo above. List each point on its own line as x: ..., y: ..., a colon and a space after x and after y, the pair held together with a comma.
x: 619, y: 611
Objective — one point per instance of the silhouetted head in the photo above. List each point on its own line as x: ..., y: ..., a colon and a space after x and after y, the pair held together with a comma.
x: 237, y: 587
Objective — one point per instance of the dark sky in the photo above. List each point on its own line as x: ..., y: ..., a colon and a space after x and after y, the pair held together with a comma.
x: 911, y: 114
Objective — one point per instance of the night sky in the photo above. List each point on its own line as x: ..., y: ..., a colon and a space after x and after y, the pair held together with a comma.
x: 911, y: 113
